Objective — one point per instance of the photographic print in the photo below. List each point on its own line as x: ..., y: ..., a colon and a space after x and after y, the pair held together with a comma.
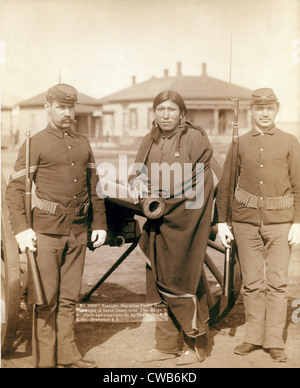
x: 150, y: 191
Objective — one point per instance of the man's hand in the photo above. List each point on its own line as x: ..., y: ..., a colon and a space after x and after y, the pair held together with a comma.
x: 294, y: 235
x: 225, y: 234
x: 26, y: 239
x: 98, y: 237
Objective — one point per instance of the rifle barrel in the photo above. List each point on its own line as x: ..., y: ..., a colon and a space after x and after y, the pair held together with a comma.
x: 34, y: 285
x: 226, y: 284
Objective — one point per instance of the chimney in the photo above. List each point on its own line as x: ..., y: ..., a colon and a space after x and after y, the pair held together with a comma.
x: 179, y: 69
x: 133, y: 79
x: 204, y: 73
x: 166, y: 73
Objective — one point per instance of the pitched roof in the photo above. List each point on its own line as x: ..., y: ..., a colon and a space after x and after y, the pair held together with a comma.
x: 190, y: 87
x: 40, y: 99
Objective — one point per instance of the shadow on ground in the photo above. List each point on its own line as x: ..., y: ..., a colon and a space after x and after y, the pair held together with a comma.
x: 88, y: 334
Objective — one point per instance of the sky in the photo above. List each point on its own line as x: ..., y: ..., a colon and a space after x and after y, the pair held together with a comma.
x: 98, y: 45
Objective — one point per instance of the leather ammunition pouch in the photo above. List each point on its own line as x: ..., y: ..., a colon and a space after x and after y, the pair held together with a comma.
x: 56, y: 209
x: 266, y: 203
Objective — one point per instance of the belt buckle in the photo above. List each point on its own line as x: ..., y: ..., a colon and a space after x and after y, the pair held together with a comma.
x: 261, y: 202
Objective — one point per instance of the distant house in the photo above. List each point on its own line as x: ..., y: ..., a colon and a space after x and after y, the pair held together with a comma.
x: 129, y: 113
x: 31, y: 114
x: 7, y: 139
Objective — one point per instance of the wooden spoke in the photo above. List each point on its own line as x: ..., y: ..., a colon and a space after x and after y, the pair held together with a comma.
x: 214, y: 269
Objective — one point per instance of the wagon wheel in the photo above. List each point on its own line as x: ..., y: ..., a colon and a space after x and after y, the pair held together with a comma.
x: 10, y: 278
x: 213, y: 271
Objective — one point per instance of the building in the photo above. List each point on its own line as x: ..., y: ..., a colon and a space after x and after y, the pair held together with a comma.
x: 129, y: 114
x: 7, y: 136
x: 31, y: 114
x: 126, y: 116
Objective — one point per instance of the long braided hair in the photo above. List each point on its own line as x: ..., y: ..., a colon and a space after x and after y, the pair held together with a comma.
x: 164, y: 96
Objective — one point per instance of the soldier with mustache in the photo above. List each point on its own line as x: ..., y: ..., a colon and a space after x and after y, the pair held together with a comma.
x: 62, y: 166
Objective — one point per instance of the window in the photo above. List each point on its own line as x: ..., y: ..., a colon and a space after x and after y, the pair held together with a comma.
x: 126, y: 123
x: 133, y: 119
x: 108, y: 124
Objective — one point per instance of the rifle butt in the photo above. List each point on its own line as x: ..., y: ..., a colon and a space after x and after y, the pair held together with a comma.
x: 35, y: 292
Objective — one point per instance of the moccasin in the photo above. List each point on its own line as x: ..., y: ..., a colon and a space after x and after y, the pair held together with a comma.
x: 156, y: 355
x: 244, y: 348
x: 79, y: 364
x: 187, y: 357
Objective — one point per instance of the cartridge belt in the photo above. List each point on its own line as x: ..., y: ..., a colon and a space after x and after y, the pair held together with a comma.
x: 55, y: 209
x: 267, y: 203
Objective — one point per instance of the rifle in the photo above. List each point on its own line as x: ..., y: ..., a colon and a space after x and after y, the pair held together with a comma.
x: 35, y: 292
x: 232, y: 185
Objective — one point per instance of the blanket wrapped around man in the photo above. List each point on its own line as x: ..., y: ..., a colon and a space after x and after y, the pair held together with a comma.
x: 175, y: 245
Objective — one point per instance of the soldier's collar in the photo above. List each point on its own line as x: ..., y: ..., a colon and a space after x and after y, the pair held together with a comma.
x: 58, y: 132
x: 69, y: 132
x: 269, y: 131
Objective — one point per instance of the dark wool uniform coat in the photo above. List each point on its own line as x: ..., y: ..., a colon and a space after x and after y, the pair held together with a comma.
x: 268, y: 167
x: 63, y: 169
x: 176, y: 244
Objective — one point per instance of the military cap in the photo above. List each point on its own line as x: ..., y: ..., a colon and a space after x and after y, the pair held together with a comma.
x: 63, y: 93
x: 263, y: 96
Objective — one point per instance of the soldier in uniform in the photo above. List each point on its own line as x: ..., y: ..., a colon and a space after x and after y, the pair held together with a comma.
x: 266, y: 222
x: 63, y: 168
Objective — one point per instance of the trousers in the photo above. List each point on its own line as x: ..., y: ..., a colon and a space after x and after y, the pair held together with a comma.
x: 60, y: 260
x: 264, y: 254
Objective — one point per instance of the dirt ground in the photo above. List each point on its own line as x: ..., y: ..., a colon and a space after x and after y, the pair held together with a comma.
x: 121, y: 345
